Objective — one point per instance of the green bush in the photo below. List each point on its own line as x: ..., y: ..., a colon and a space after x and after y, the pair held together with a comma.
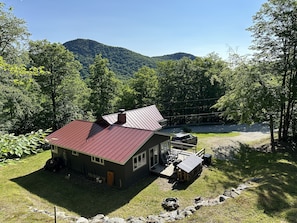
x: 12, y: 146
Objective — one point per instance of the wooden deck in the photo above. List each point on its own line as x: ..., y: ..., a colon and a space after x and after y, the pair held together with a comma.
x: 163, y: 171
x: 168, y: 171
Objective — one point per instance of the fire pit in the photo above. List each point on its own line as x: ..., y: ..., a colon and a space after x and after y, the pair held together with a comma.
x: 170, y: 204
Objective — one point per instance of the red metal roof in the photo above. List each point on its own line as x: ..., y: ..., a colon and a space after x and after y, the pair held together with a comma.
x: 114, y: 143
x: 141, y: 118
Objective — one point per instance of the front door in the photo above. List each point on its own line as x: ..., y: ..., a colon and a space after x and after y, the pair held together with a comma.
x: 110, y: 178
x: 154, y: 156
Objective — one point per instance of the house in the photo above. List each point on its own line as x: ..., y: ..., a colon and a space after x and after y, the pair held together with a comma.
x: 112, y: 151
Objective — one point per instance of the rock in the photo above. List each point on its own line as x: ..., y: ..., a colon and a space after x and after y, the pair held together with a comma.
x: 179, y: 217
x: 190, y: 208
x: 241, y: 187
x: 222, y: 198
x: 115, y: 220
x: 197, y: 206
x: 235, y: 191
x: 198, y: 199
x: 136, y: 220
x: 82, y: 220
x: 154, y: 219
x: 231, y: 193
x: 97, y: 219
x: 169, y: 216
x: 212, y: 202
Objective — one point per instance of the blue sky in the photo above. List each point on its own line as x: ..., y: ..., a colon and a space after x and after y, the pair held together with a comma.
x: 151, y: 27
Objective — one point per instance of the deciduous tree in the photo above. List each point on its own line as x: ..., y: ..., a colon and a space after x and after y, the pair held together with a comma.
x: 145, y: 86
x: 60, y: 68
x: 103, y: 85
x: 275, y: 41
x: 18, y: 97
x: 13, y: 35
x: 189, y: 86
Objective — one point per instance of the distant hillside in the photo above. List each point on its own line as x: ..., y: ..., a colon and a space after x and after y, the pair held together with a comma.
x: 122, y: 61
x: 175, y: 56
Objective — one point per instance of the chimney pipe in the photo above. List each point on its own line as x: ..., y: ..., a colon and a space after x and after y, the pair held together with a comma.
x: 122, y: 116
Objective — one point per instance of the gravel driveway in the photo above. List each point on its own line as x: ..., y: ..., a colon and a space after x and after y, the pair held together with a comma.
x: 222, y: 146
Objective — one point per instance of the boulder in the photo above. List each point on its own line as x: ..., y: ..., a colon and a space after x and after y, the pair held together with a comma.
x: 82, y: 220
x: 136, y: 220
x: 154, y: 219
x: 97, y: 219
x: 115, y: 220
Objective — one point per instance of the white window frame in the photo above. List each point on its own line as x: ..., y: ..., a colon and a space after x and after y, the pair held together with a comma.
x: 98, y: 160
x: 54, y: 149
x: 74, y: 153
x: 139, y: 160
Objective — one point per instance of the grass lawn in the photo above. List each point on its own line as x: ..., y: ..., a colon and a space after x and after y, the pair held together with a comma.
x: 203, y: 138
x: 24, y: 184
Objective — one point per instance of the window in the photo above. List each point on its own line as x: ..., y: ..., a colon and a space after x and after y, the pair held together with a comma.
x: 165, y: 146
x: 154, y: 156
x: 74, y: 153
x: 139, y: 161
x: 97, y: 160
x: 54, y: 149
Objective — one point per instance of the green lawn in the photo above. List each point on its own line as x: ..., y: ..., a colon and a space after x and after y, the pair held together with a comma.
x: 202, y: 138
x: 24, y: 184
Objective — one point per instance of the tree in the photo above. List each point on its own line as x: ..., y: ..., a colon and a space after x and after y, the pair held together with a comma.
x: 103, y: 85
x: 18, y: 97
x: 145, y: 86
x: 250, y: 91
x: 127, y: 96
x: 13, y: 35
x: 61, y: 68
x: 189, y: 86
x: 275, y: 41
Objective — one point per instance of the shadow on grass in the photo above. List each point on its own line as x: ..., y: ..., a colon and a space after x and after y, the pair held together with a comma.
x: 84, y: 197
x: 277, y: 188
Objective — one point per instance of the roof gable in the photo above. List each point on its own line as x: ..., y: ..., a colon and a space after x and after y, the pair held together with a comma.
x: 142, y: 118
x: 113, y: 143
x: 74, y: 134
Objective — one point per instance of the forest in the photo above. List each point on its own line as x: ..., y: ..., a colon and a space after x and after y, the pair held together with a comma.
x: 43, y: 86
x: 122, y: 62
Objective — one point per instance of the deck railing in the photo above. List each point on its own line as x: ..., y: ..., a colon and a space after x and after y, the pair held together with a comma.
x: 201, y: 152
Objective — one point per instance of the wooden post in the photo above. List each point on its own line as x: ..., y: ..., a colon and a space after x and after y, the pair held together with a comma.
x: 55, y: 214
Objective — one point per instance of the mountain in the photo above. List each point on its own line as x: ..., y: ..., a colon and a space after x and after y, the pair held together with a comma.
x: 122, y: 61
x: 175, y: 56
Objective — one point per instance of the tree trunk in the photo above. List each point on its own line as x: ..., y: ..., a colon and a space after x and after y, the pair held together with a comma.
x: 271, y: 133
x: 294, y: 127
x: 286, y: 122
x: 280, y: 128
x: 54, y: 105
